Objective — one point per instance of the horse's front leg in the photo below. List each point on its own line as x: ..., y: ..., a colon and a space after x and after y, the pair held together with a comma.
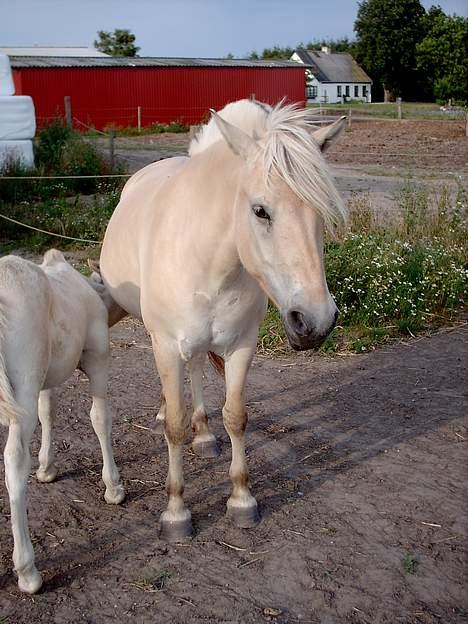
x: 95, y: 364
x: 176, y: 521
x: 241, y: 506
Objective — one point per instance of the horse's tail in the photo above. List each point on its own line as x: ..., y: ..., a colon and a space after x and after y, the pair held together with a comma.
x: 9, y: 408
x: 216, y: 362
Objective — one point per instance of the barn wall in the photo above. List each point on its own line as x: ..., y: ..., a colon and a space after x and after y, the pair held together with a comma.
x: 102, y: 96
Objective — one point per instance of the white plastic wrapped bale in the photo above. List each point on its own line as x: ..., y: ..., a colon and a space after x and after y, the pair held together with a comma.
x: 16, y: 150
x: 7, y: 86
x: 17, y: 118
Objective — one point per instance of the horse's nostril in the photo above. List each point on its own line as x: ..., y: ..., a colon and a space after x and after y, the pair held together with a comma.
x: 299, y: 323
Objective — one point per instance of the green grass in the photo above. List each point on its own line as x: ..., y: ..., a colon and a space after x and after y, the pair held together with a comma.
x: 409, y: 564
x: 392, y: 279
x: 409, y: 110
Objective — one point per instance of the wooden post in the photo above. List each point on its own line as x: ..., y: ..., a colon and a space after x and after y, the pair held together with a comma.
x: 111, y: 148
x: 350, y: 117
x: 466, y: 122
x: 139, y: 118
x: 398, y: 103
x: 68, y: 111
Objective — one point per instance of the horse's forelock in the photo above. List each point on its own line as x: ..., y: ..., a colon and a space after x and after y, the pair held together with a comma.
x: 287, y: 150
x: 290, y: 152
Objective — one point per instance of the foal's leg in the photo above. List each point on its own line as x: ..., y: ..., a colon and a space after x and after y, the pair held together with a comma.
x: 204, y: 442
x: 176, y: 523
x: 17, y: 466
x: 96, y: 367
x: 241, y: 506
x: 47, y: 470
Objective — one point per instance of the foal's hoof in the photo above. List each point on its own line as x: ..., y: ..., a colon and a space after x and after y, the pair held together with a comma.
x: 205, y: 447
x: 244, y: 517
x: 46, y: 476
x: 176, y: 530
x: 115, y: 494
x: 30, y: 581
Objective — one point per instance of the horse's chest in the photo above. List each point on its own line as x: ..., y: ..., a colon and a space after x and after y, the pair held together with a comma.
x: 217, y: 323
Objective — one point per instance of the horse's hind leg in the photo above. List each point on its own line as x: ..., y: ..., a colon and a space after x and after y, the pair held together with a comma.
x: 17, y: 466
x: 96, y: 367
x: 241, y: 506
x: 204, y: 442
x: 47, y: 470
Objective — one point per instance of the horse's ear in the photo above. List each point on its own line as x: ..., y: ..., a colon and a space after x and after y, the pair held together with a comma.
x: 238, y: 140
x: 325, y: 136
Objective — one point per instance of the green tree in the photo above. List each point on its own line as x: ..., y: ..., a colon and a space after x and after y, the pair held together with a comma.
x: 442, y: 55
x: 387, y: 34
x: 119, y: 43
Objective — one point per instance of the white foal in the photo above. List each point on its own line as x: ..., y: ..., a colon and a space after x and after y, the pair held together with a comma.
x: 52, y: 320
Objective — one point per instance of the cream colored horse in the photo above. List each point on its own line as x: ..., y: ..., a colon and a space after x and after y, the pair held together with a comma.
x: 51, y: 320
x: 195, y: 247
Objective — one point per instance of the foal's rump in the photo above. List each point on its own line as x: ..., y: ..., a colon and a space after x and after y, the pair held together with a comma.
x: 24, y: 341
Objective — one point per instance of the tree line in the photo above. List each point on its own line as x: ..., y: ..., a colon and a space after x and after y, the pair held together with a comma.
x: 407, y: 51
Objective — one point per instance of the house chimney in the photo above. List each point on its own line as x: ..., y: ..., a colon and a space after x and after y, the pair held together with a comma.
x: 325, y: 49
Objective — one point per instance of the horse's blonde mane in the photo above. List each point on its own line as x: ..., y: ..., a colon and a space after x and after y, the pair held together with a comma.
x: 287, y: 150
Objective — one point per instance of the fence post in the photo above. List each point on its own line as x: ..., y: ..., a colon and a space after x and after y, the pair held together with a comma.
x: 466, y: 122
x: 111, y: 148
x: 139, y: 118
x: 68, y: 111
x: 350, y: 117
x: 398, y: 103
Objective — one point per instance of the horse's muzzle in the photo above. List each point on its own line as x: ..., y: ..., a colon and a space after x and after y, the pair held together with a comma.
x: 302, y: 332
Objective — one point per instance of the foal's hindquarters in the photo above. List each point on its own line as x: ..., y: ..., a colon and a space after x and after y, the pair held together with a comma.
x: 51, y: 320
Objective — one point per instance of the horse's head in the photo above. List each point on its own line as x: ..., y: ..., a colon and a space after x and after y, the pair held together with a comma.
x: 285, y: 199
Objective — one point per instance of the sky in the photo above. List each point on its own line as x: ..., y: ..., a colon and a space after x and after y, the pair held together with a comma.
x: 190, y: 28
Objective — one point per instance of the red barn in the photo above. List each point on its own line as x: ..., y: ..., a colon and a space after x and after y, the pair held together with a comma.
x: 106, y: 90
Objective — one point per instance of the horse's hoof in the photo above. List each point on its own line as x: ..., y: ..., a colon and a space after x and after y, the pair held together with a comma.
x: 114, y: 494
x: 206, y: 447
x: 30, y: 582
x: 46, y: 476
x: 158, y: 427
x: 244, y: 517
x: 176, y: 530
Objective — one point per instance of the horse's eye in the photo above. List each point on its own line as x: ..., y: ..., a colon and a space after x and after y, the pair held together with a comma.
x: 260, y: 212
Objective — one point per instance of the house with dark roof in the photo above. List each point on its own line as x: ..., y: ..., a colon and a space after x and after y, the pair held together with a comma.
x: 333, y: 77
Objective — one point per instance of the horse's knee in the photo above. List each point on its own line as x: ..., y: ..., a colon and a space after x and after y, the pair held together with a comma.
x: 235, y: 419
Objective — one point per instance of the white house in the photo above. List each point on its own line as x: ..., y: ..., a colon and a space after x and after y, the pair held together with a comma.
x: 333, y: 78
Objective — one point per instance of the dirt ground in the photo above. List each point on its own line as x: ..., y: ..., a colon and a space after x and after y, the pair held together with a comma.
x: 373, y: 159
x: 357, y: 464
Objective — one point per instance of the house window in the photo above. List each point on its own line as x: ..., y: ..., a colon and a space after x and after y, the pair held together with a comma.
x: 364, y: 91
x: 347, y: 90
x: 339, y: 91
x: 312, y: 92
x: 356, y: 91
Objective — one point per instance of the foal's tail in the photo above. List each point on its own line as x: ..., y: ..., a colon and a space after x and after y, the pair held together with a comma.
x: 216, y: 362
x: 9, y: 408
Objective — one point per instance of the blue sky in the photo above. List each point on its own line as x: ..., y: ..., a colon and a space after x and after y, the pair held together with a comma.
x: 185, y: 27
